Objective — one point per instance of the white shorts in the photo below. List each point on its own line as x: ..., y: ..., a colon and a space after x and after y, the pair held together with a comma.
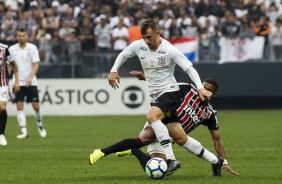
x: 154, y: 147
x: 4, y: 93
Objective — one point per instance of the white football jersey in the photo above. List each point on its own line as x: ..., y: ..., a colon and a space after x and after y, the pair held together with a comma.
x: 159, y: 65
x: 25, y: 59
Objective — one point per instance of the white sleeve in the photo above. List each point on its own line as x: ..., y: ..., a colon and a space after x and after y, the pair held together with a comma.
x: 35, y: 54
x: 194, y: 76
x: 10, y: 56
x: 128, y: 52
x: 179, y: 58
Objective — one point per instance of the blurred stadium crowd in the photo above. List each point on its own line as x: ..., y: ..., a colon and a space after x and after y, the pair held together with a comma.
x: 64, y: 28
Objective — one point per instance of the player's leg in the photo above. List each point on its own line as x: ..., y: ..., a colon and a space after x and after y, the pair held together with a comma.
x: 177, y: 133
x: 21, y: 120
x: 19, y: 99
x: 153, y: 150
x: 129, y: 143
x: 33, y: 97
x: 154, y: 117
x: 3, y: 114
x: 163, y: 111
x: 38, y: 119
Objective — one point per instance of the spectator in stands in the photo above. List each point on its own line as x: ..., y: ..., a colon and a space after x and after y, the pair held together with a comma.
x: 2, y: 11
x: 241, y: 10
x: 119, y: 37
x: 36, y: 12
x: 272, y: 12
x: 165, y: 24
x: 120, y: 16
x: 215, y: 48
x: 73, y: 47
x: 246, y: 30
x: 69, y: 17
x: 262, y: 27
x: 13, y: 4
x: 85, y: 31
x: 8, y: 27
x: 134, y: 31
x: 29, y: 24
x: 205, y: 43
x: 50, y: 22
x: 207, y: 16
x: 157, y: 10
x: 61, y: 5
x: 45, y: 46
x: 276, y: 39
x: 64, y: 34
x: 230, y: 28
x: 55, y: 4
x: 184, y: 23
x: 102, y: 35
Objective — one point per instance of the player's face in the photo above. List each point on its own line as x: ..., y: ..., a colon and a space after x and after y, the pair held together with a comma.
x: 209, y: 87
x: 22, y: 37
x: 151, y: 38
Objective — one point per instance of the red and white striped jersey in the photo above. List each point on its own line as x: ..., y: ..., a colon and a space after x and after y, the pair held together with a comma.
x: 5, y: 58
x: 193, y: 111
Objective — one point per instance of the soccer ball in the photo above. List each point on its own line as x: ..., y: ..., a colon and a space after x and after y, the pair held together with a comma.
x: 156, y: 168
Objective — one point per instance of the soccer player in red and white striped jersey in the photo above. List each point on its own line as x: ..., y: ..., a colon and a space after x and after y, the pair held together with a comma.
x: 7, y: 64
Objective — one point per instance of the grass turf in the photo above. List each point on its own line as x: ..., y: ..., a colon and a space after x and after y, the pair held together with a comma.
x: 252, y: 140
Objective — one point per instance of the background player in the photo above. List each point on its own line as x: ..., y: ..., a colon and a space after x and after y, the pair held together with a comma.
x: 27, y: 58
x: 7, y: 65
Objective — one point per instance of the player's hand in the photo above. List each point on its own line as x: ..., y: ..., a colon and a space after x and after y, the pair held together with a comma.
x: 113, y: 79
x: 226, y: 167
x: 138, y: 74
x: 205, y: 95
x: 16, y: 86
x: 28, y: 82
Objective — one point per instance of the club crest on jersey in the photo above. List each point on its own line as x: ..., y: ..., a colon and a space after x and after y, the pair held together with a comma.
x: 161, y: 61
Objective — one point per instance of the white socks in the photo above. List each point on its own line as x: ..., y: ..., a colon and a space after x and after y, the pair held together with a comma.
x: 197, y: 149
x: 163, y: 137
x: 38, y: 119
x: 22, y: 121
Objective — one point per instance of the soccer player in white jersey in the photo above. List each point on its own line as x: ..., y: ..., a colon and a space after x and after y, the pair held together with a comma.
x: 27, y: 58
x: 158, y: 59
x: 192, y: 113
x: 7, y: 64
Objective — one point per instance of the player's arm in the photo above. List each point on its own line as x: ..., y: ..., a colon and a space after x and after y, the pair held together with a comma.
x: 218, y: 145
x: 128, y: 52
x: 187, y: 66
x: 13, y: 67
x: 35, y: 67
x: 140, y: 75
x: 33, y: 73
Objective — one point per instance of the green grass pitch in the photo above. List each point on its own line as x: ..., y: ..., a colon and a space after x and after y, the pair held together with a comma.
x: 252, y: 140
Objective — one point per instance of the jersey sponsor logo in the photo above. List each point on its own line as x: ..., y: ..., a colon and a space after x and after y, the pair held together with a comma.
x: 133, y: 97
x: 161, y: 61
x: 190, y: 110
x: 162, y: 52
x: 143, y: 48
